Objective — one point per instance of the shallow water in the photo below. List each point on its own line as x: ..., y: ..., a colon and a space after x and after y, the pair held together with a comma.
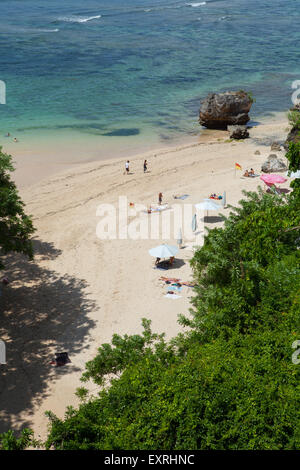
x: 138, y: 69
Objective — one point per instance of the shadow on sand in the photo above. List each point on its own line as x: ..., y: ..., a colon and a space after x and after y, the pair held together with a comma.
x: 279, y: 191
x: 213, y: 219
x: 41, y: 313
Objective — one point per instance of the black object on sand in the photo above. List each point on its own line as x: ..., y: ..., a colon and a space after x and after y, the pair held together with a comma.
x: 61, y: 359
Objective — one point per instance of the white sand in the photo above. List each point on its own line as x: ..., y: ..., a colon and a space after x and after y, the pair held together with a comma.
x: 47, y: 308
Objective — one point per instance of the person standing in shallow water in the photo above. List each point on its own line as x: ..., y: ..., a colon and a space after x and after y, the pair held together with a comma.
x: 160, y: 198
x: 145, y: 166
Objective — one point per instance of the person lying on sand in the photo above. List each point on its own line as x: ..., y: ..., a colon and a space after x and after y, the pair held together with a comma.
x: 157, y: 261
x: 246, y: 173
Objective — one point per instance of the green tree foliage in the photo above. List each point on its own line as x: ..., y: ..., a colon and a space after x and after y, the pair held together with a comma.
x: 15, y: 226
x: 232, y: 267
x: 293, y: 156
x: 228, y: 382
x: 294, y: 119
x: 8, y: 441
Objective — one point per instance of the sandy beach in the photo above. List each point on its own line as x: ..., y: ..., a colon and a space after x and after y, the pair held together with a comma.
x: 80, y: 290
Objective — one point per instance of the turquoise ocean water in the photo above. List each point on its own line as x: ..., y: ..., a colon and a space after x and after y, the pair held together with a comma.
x: 139, y: 68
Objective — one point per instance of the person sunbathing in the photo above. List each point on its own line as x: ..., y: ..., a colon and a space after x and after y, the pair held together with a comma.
x: 157, y: 261
x: 171, y: 260
x: 246, y: 173
x: 251, y: 172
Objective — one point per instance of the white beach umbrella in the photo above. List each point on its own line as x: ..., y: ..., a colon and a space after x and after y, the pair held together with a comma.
x: 207, y: 205
x: 163, y: 251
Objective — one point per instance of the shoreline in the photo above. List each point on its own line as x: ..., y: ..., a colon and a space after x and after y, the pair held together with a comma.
x: 37, y: 160
x: 80, y: 290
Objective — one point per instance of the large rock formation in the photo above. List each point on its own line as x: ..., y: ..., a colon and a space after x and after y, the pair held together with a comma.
x: 238, y: 132
x: 218, y: 111
x: 273, y: 164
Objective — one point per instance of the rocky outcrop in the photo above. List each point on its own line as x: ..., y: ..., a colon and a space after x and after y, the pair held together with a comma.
x: 293, y: 136
x: 273, y: 164
x: 238, y: 132
x: 276, y: 147
x: 220, y: 110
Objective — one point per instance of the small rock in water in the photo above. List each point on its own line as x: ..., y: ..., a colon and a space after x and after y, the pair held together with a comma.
x: 238, y: 132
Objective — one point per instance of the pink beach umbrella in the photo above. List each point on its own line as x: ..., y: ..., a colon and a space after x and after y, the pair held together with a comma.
x: 272, y: 179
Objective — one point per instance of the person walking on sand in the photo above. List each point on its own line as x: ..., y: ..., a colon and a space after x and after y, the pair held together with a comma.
x: 160, y: 198
x: 145, y: 166
x: 127, y: 167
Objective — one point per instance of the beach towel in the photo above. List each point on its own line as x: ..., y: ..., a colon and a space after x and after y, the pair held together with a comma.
x: 169, y: 279
x: 188, y: 284
x: 157, y: 209
x: 174, y: 288
x: 173, y: 296
x: 184, y: 196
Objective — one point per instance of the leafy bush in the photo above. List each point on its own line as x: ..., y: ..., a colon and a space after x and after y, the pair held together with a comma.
x: 8, y: 441
x: 16, y: 227
x: 229, y: 381
x: 293, y: 156
x: 294, y: 119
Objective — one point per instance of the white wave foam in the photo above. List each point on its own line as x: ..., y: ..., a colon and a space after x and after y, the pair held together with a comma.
x: 48, y: 30
x: 77, y: 19
x: 196, y: 4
